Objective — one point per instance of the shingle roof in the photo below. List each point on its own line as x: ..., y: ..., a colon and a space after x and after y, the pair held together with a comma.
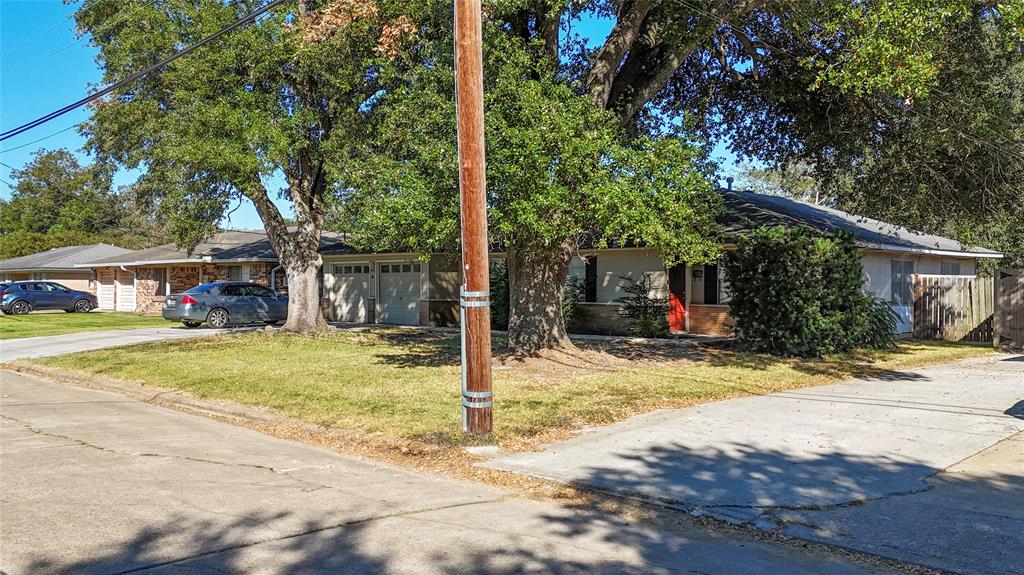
x: 230, y: 246
x: 746, y: 210
x: 65, y: 258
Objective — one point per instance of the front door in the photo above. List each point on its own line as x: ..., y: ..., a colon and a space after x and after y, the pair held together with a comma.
x: 677, y: 298
x: 399, y: 293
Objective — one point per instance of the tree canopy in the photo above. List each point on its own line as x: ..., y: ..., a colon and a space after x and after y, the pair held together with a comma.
x: 56, y: 202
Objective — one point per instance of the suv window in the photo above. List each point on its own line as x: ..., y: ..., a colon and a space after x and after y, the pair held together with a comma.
x: 57, y: 288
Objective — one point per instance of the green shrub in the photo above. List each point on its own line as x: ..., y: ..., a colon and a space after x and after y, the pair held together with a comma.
x: 649, y: 314
x: 796, y: 294
x: 571, y: 298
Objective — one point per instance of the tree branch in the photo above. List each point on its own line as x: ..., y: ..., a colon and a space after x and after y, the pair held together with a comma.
x: 631, y: 17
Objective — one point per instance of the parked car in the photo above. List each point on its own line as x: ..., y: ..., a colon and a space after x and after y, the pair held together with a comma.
x: 21, y: 297
x: 220, y: 304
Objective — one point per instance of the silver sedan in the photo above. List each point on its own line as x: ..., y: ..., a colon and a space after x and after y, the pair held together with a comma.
x: 220, y: 304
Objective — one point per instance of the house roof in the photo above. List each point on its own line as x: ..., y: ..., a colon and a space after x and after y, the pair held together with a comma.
x: 66, y: 258
x: 222, y: 247
x: 745, y: 211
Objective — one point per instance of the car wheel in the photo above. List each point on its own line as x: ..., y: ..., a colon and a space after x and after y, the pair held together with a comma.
x: 218, y: 318
x: 83, y: 306
x: 192, y: 324
x: 20, y: 307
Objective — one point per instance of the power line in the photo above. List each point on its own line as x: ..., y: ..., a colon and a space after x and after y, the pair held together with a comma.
x: 36, y: 37
x: 137, y: 75
x: 40, y: 139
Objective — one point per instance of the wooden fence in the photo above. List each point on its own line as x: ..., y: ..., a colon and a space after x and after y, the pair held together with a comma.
x: 953, y: 308
x: 1008, y: 324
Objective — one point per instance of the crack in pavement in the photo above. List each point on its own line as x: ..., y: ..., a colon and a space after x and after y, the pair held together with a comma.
x: 312, y: 531
x: 288, y: 473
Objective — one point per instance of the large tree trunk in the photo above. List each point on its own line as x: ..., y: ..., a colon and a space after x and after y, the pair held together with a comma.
x: 304, y: 315
x: 536, y: 281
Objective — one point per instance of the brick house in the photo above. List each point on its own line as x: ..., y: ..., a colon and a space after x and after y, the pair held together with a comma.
x: 404, y: 288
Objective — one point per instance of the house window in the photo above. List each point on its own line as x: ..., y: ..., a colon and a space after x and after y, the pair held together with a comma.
x: 235, y: 273
x: 590, y: 279
x: 902, y: 282
x: 38, y: 276
x: 950, y: 268
x: 160, y: 277
x: 92, y: 279
x: 711, y: 284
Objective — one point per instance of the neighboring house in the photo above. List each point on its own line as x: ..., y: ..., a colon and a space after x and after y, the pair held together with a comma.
x: 399, y: 288
x: 139, y: 281
x: 60, y: 265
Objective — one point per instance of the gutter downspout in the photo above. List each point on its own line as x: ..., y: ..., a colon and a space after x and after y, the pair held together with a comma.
x: 273, y: 278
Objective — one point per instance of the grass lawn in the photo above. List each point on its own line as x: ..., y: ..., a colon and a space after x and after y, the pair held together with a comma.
x: 36, y: 324
x: 405, y: 384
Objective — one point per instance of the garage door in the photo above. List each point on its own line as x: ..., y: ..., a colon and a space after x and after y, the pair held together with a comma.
x: 351, y: 291
x: 399, y: 297
x: 105, y: 290
x: 125, y: 291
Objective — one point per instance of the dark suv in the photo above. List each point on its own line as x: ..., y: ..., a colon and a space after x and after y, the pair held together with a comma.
x: 21, y: 297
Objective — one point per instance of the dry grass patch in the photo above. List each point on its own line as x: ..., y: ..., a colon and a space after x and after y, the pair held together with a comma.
x: 403, y: 385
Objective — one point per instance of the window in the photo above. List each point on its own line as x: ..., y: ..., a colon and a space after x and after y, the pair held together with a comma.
x: 92, y: 279
x: 902, y: 282
x: 38, y: 276
x: 590, y: 279
x: 950, y: 268
x: 416, y: 268
x: 385, y: 268
x: 711, y: 284
x: 259, y: 291
x: 160, y: 277
x: 232, y: 290
x: 238, y: 273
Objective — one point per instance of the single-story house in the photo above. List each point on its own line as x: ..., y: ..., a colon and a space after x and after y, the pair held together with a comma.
x: 138, y: 281
x: 403, y: 288
x: 61, y: 265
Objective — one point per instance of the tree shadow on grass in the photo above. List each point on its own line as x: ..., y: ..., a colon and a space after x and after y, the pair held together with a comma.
x: 863, y: 366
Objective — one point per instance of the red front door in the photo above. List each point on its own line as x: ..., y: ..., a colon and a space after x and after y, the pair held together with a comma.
x: 677, y: 298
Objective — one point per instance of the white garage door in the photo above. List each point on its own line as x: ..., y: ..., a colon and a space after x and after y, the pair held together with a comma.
x: 105, y: 291
x: 125, y: 291
x: 351, y: 291
x: 399, y: 296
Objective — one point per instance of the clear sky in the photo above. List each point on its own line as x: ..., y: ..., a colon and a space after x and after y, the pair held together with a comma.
x: 44, y: 66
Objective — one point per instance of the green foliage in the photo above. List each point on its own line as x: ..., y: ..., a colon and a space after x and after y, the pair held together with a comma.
x: 795, y: 294
x: 572, y: 296
x: 557, y: 171
x: 58, y: 202
x: 649, y: 313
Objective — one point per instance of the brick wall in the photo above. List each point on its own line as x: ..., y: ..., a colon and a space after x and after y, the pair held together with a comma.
x: 710, y: 320
x: 146, y: 300
x: 599, y: 319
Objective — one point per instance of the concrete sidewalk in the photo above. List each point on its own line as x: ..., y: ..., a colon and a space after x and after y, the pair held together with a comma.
x: 44, y: 346
x: 92, y: 482
x: 853, y: 463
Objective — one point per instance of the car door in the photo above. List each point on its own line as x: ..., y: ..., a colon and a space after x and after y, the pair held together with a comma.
x: 265, y: 302
x: 39, y: 295
x: 232, y: 298
x: 63, y: 297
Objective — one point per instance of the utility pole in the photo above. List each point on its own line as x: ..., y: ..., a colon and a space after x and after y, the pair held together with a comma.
x: 474, y: 296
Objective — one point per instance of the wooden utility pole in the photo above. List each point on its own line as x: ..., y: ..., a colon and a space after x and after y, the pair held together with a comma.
x: 474, y: 299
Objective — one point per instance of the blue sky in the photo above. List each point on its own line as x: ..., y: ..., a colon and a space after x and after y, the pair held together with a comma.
x: 44, y: 66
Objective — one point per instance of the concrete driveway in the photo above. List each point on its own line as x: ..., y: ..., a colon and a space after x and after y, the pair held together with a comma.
x: 924, y: 466
x: 12, y: 349
x: 93, y: 482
